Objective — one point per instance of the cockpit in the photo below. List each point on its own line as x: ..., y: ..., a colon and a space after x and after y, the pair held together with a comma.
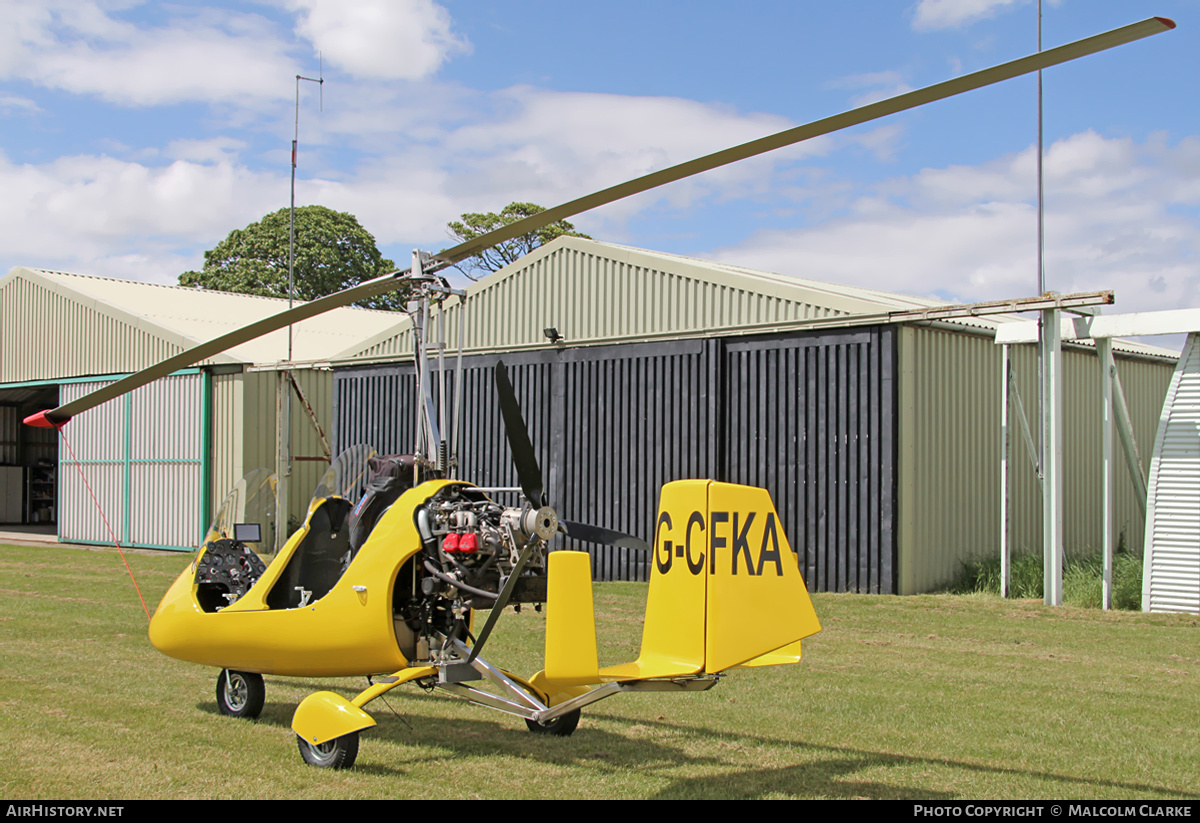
x: 240, y: 544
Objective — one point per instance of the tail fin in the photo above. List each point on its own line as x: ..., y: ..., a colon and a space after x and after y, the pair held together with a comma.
x: 725, y: 587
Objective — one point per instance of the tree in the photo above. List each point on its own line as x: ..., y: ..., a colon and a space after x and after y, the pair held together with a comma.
x: 333, y: 252
x: 500, y: 255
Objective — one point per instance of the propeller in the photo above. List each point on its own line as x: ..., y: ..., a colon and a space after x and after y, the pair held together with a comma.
x: 1136, y: 31
x: 529, y: 473
x: 598, y: 534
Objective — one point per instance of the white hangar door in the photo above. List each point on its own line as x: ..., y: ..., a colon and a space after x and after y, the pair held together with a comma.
x: 1171, y: 570
x: 143, y: 457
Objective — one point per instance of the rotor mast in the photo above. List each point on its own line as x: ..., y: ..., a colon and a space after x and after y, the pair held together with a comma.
x: 435, y: 439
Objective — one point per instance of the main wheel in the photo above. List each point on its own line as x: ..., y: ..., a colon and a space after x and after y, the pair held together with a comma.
x: 338, y: 753
x: 558, y: 727
x: 240, y: 694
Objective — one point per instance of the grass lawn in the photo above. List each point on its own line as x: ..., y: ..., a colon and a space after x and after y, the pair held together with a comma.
x: 932, y: 697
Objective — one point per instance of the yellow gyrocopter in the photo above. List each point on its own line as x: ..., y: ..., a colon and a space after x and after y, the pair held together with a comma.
x: 396, y: 557
x: 388, y: 570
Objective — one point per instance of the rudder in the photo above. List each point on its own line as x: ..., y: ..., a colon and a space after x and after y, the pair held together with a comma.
x: 725, y: 585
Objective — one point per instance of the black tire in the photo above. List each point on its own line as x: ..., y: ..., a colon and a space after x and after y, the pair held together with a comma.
x: 240, y: 694
x: 558, y: 727
x: 339, y: 753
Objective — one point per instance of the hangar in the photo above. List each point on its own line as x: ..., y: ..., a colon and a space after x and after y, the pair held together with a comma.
x: 161, y: 459
x: 877, y: 437
x: 876, y: 433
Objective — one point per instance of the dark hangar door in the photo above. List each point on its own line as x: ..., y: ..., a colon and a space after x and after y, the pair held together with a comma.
x: 610, y: 426
x: 631, y: 418
x: 808, y: 417
x: 811, y: 418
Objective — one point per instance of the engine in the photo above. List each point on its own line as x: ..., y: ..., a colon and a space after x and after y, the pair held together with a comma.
x: 471, y: 549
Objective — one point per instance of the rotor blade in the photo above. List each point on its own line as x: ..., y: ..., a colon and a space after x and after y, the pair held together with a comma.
x: 854, y: 117
x: 529, y: 474
x: 189, y: 357
x: 447, y: 257
x: 598, y: 534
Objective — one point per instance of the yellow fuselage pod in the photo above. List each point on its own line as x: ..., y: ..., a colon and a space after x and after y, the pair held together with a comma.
x: 348, y: 631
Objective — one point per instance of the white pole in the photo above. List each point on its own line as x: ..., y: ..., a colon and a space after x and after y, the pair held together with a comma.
x: 1004, y: 559
x: 1052, y: 485
x: 1050, y: 368
x: 1104, y: 355
x: 283, y: 406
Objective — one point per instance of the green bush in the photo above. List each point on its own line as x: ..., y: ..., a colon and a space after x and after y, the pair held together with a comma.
x: 1082, y: 579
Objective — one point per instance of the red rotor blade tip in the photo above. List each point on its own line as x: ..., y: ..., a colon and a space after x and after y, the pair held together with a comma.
x: 41, y: 421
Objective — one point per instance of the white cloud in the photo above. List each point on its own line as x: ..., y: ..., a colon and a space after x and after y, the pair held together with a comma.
x: 880, y: 85
x: 85, y: 48
x: 949, y: 14
x: 14, y: 104
x: 391, y: 39
x: 549, y: 147
x: 477, y: 152
x: 484, y: 151
x: 100, y: 215
x: 1120, y: 215
x: 213, y: 150
x: 118, y: 51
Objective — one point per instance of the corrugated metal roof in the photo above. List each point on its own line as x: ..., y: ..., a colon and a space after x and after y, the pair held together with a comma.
x: 594, y: 292
x: 619, y: 293
x: 57, y: 324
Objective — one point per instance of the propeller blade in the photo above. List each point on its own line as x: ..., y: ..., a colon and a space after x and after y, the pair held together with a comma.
x: 448, y: 257
x: 598, y: 534
x: 529, y: 474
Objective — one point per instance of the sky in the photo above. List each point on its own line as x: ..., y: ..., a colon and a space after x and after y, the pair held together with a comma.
x: 134, y: 136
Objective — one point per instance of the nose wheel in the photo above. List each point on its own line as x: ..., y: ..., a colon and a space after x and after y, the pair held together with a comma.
x: 338, y: 753
x: 240, y: 694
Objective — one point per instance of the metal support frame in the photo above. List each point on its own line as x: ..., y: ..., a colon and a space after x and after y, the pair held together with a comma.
x: 1114, y: 411
x: 1120, y: 410
x: 1051, y: 463
x: 516, y: 699
x: 1010, y: 398
x: 312, y: 417
x: 436, y: 436
x: 1005, y: 379
x: 283, y: 457
x: 1104, y: 352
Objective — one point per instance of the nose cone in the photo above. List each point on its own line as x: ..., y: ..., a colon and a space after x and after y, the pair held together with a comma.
x: 169, y: 625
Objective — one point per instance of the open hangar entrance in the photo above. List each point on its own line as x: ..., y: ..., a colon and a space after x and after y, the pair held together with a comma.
x: 28, y: 459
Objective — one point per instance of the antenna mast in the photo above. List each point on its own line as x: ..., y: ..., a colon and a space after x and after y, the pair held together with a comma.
x: 283, y: 396
x: 320, y: 81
